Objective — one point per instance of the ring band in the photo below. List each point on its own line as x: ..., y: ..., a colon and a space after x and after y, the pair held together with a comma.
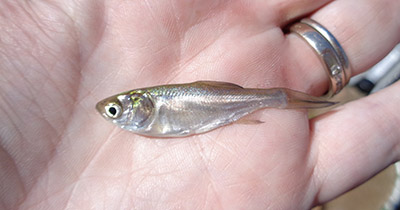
x: 329, y: 52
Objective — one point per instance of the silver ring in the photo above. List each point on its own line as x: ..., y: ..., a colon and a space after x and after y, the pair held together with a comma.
x: 329, y: 52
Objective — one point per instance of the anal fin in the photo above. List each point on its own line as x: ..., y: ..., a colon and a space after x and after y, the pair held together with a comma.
x: 248, y: 121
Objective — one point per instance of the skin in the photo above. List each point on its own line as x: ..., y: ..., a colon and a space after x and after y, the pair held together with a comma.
x: 58, y: 58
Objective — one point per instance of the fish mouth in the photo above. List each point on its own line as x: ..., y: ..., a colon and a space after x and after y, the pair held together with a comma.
x: 100, y: 108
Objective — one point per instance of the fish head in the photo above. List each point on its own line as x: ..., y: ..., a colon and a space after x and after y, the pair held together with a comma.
x: 131, y: 110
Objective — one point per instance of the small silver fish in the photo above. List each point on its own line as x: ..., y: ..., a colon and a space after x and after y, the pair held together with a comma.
x: 192, y: 108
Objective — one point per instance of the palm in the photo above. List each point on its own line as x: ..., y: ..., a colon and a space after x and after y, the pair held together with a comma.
x: 65, y: 154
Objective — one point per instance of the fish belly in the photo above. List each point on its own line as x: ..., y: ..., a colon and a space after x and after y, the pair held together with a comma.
x: 187, y: 117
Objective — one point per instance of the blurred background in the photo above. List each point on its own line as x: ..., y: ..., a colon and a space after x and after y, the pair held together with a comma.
x: 383, y: 191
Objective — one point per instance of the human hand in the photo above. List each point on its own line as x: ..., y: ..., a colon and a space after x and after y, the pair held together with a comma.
x: 58, y: 59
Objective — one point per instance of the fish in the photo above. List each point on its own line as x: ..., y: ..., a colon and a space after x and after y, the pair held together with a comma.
x: 180, y: 110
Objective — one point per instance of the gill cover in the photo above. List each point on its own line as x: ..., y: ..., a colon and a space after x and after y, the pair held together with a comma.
x: 142, y: 107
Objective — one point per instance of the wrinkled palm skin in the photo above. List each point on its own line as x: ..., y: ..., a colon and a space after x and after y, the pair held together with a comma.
x: 58, y: 58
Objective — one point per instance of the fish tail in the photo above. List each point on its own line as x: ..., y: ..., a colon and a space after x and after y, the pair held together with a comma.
x: 299, y: 100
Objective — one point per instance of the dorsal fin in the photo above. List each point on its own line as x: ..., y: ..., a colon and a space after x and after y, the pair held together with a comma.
x: 219, y: 84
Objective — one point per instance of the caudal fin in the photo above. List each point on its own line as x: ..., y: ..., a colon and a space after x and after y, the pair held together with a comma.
x: 299, y: 100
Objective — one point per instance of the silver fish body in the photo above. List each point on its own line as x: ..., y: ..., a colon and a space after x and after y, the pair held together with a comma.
x: 193, y: 108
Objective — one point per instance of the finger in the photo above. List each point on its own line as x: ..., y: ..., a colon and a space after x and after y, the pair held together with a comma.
x: 356, y: 141
x: 367, y: 30
x: 285, y: 11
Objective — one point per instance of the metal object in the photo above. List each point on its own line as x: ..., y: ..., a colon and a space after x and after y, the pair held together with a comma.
x: 382, y: 74
x: 329, y: 52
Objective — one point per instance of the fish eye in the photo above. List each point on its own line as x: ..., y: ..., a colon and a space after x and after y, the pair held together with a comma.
x: 113, y: 110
